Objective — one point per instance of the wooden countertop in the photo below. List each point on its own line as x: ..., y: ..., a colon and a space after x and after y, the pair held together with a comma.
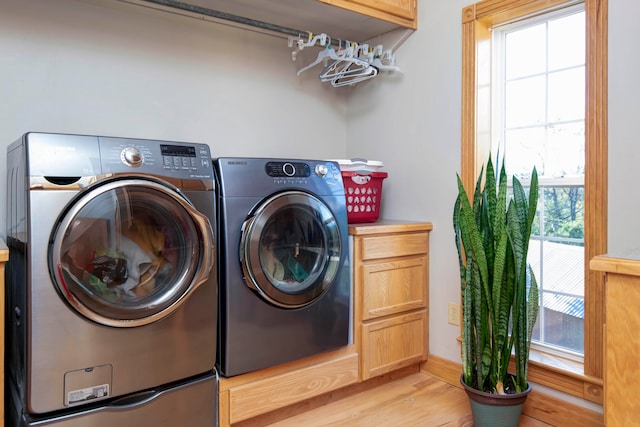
x: 627, y: 262
x: 4, y: 251
x: 387, y: 226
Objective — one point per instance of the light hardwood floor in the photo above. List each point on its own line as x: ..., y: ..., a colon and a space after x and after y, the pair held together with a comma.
x: 412, y: 399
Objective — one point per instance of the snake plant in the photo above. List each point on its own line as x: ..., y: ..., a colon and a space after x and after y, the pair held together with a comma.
x: 499, y: 289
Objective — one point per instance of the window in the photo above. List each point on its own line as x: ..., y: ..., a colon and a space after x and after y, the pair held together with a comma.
x: 583, y: 184
x: 538, y: 94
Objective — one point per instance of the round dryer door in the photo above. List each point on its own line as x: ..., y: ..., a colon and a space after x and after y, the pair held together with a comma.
x: 128, y: 252
x: 291, y: 249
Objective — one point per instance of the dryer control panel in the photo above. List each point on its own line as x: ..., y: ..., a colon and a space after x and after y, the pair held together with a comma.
x: 288, y: 170
x: 261, y: 177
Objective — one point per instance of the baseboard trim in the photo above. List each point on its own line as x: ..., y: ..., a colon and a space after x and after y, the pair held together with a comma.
x: 540, y: 406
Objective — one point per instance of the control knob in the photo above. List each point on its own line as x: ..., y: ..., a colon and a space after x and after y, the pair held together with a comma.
x: 322, y: 170
x: 289, y: 169
x: 131, y: 156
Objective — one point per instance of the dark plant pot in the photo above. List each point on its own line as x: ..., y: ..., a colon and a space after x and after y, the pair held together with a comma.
x: 495, y: 410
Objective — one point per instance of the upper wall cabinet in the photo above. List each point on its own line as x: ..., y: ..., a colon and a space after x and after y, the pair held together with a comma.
x: 401, y: 12
x: 354, y: 20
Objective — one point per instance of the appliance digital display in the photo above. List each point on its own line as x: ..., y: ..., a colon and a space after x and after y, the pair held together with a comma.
x: 178, y: 150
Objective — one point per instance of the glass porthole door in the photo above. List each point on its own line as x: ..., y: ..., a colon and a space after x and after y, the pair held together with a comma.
x: 128, y: 252
x: 291, y: 249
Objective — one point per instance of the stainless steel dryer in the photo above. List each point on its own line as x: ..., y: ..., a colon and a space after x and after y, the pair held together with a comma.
x: 111, y: 286
x: 283, y: 261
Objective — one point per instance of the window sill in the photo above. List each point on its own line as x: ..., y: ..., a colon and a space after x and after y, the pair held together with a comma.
x: 563, y: 375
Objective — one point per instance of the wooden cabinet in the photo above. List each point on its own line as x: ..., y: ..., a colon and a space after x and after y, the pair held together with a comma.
x: 4, y: 257
x: 391, y: 277
x: 622, y: 340
x: 401, y: 12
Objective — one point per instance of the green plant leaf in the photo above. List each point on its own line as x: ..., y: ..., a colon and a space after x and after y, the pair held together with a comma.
x: 499, y: 291
x: 533, y: 305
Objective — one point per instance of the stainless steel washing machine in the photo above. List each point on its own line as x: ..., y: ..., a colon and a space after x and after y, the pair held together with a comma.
x: 285, y: 288
x: 111, y: 285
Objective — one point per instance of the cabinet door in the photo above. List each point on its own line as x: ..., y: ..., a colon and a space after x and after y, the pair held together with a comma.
x: 393, y: 343
x: 402, y: 12
x: 621, y: 375
x: 393, y: 287
x: 401, y: 8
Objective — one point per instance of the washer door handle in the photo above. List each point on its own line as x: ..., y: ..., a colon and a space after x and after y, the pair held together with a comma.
x: 209, y: 254
x: 246, y: 271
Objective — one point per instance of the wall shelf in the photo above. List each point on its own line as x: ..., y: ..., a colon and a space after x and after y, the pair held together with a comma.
x: 297, y: 18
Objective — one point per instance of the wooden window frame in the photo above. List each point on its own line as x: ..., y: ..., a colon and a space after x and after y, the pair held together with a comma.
x: 477, y: 20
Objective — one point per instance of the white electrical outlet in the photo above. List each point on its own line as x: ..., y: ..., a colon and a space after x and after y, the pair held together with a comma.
x: 454, y: 314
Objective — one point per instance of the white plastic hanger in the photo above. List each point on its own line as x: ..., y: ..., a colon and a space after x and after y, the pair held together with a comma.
x: 343, y: 68
x: 353, y: 78
x: 351, y: 64
x: 323, y: 56
x: 311, y: 41
x: 386, y: 62
x: 382, y: 60
x: 346, y: 64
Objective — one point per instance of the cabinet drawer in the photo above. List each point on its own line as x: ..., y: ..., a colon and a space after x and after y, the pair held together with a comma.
x: 393, y: 287
x: 275, y: 392
x: 393, y: 343
x: 396, y: 245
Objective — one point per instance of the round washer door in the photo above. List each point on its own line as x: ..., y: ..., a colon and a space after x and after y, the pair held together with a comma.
x: 128, y: 252
x: 291, y: 249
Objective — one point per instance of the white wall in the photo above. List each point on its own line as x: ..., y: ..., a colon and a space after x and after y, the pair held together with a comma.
x: 624, y: 112
x: 110, y: 68
x: 103, y: 67
x: 412, y: 123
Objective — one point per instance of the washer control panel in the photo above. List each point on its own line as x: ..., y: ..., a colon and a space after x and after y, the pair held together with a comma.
x: 131, y: 156
x: 182, y: 160
x: 179, y: 156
